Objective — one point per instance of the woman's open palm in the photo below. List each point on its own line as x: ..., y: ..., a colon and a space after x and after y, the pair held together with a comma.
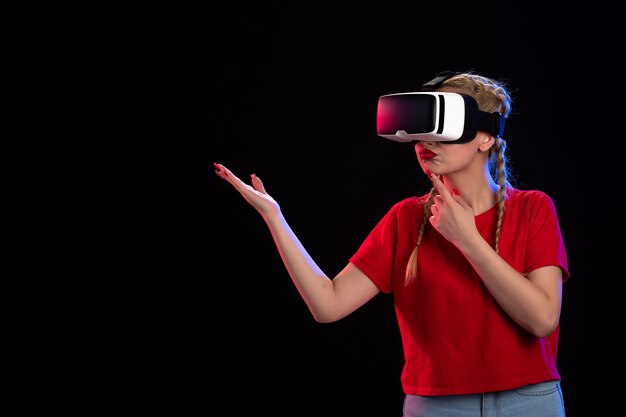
x: 254, y: 194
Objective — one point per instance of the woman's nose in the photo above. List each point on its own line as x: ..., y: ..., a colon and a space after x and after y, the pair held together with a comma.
x: 422, y: 143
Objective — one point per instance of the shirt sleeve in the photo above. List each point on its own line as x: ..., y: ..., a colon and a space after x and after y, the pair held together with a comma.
x: 376, y: 254
x: 545, y: 245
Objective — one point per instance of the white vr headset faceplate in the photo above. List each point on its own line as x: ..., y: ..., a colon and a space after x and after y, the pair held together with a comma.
x: 453, y: 120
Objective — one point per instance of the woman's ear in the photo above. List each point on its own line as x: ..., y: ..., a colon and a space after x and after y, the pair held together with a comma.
x: 485, y: 141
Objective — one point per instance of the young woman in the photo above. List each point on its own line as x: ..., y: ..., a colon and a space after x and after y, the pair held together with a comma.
x: 476, y: 267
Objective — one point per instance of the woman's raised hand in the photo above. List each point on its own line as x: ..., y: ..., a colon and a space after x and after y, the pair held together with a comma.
x: 254, y: 194
x: 452, y: 216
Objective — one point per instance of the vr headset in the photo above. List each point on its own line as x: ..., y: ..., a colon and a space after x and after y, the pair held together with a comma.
x: 429, y: 115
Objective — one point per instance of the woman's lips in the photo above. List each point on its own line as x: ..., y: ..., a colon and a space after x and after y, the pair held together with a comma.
x: 426, y: 154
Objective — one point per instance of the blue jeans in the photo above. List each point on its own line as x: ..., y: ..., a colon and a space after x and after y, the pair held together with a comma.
x: 544, y: 399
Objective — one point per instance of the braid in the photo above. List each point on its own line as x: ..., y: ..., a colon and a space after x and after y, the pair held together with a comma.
x: 411, y: 268
x: 499, y: 153
x: 491, y: 96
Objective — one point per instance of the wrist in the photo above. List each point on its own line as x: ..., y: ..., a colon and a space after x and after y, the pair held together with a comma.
x: 274, y: 217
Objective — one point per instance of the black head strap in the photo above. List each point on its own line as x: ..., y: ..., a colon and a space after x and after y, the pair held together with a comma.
x: 436, y: 82
x: 492, y: 123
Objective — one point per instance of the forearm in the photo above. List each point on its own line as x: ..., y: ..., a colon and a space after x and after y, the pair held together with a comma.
x: 524, y: 301
x: 328, y: 300
x: 313, y: 285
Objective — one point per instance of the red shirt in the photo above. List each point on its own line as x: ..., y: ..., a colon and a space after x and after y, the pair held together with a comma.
x: 456, y: 338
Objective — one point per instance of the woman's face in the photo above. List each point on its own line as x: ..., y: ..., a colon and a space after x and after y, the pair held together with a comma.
x: 443, y: 158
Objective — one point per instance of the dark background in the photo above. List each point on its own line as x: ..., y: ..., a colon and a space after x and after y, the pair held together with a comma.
x: 288, y: 91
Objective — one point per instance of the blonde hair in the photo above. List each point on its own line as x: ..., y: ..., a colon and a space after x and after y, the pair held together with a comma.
x: 491, y: 96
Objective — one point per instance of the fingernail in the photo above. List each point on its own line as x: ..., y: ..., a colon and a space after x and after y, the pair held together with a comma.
x: 253, y: 175
x: 455, y: 191
x: 430, y: 174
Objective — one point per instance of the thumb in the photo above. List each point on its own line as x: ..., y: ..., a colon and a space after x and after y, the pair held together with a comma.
x: 258, y: 184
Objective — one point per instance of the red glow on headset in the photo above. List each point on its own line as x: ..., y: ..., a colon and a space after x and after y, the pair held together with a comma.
x: 386, y: 118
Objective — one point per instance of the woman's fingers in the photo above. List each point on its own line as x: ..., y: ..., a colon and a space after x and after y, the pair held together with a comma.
x: 258, y: 184
x: 218, y: 170
x: 443, y: 191
x: 226, y: 174
x: 246, y: 190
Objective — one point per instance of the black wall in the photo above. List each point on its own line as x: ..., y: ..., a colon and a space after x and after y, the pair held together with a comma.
x: 288, y: 91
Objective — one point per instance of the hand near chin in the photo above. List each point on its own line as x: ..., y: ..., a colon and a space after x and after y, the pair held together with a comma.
x: 254, y: 194
x: 452, y: 216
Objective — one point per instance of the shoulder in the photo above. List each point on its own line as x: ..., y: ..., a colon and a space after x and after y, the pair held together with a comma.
x: 529, y: 200
x: 405, y: 210
x: 409, y: 205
